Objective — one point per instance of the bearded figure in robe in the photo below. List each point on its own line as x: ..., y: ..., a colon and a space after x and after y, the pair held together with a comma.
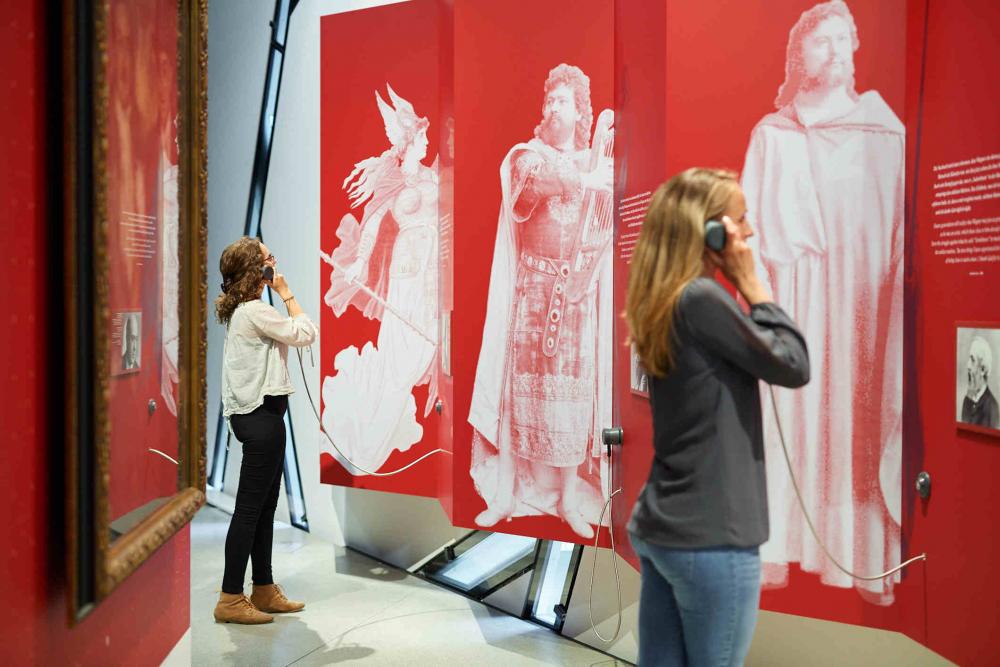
x: 824, y: 179
x: 543, y: 379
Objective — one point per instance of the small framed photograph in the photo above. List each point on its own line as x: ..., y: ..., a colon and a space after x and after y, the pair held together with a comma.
x: 126, y: 342
x: 638, y: 378
x: 445, y: 342
x: 977, y: 377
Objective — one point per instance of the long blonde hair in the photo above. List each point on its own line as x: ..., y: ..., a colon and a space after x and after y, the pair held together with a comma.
x: 669, y: 255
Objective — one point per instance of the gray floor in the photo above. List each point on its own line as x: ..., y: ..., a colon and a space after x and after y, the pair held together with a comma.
x: 358, y: 610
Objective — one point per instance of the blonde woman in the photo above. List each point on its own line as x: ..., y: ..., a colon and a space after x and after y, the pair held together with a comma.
x: 702, y: 514
x: 255, y: 389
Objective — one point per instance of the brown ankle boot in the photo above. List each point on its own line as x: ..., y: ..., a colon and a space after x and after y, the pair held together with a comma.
x: 237, y: 608
x: 271, y: 599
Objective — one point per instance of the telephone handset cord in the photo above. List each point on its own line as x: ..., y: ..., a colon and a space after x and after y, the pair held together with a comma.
x: 312, y: 404
x: 608, y: 507
x: 805, y: 513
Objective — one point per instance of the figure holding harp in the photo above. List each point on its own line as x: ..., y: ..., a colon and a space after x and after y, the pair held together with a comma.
x: 543, y: 381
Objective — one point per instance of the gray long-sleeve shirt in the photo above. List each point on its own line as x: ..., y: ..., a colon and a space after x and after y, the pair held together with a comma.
x: 706, y: 487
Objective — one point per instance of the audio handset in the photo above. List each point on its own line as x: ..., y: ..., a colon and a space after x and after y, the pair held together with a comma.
x: 268, y: 273
x: 715, y: 235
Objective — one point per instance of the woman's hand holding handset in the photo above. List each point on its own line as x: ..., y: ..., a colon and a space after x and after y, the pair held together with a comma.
x: 736, y: 262
x: 280, y: 286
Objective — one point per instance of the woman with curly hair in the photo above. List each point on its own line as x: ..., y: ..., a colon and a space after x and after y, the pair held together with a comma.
x: 255, y: 389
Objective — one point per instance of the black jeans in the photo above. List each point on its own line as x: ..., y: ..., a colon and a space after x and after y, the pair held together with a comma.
x: 251, y: 529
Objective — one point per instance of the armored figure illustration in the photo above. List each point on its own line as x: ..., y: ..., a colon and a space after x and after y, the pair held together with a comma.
x: 542, y: 389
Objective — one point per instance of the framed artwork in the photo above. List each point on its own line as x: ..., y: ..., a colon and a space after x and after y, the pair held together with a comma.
x: 977, y: 371
x: 134, y: 108
x: 638, y: 377
x: 125, y: 329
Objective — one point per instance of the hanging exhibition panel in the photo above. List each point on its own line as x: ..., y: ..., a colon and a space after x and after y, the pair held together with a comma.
x: 640, y: 97
x: 805, y: 101
x: 380, y: 352
x: 446, y: 253
x: 532, y: 338
x: 823, y: 175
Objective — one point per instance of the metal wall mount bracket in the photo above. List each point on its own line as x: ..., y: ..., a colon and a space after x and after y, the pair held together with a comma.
x: 923, y: 485
x: 613, y: 436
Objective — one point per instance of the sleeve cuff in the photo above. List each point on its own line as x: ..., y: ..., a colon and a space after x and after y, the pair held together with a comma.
x: 769, y: 313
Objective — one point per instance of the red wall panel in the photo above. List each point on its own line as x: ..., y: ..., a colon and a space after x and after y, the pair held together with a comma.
x: 879, y: 66
x: 956, y: 121
x: 723, y: 66
x: 503, y: 54
x: 446, y: 279
x: 640, y: 97
x: 142, y: 620
x: 378, y: 424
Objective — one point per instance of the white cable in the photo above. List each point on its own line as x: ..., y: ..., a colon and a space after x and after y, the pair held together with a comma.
x: 157, y: 451
x: 346, y: 458
x: 614, y: 558
x: 812, y: 528
x: 802, y: 506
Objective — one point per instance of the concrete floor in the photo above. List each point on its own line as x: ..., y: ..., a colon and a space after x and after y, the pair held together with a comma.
x: 358, y: 610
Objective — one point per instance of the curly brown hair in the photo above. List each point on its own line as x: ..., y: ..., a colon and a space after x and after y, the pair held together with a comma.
x: 241, y: 266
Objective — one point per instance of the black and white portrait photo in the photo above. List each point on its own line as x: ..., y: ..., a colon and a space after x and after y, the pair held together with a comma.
x: 638, y: 378
x: 977, y: 372
x: 127, y: 342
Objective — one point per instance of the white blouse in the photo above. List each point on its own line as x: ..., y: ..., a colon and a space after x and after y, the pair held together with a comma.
x: 255, y: 355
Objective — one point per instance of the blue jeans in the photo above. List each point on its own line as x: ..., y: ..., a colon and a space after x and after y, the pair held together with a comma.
x: 697, y: 607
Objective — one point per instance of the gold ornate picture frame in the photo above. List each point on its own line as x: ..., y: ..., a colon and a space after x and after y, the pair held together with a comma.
x: 102, y: 553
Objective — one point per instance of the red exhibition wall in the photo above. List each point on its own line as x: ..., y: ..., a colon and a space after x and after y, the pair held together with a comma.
x: 149, y: 613
x: 446, y: 236
x: 954, y: 134
x: 640, y: 94
x: 698, y: 85
x: 504, y: 53
x: 380, y: 373
x: 724, y: 67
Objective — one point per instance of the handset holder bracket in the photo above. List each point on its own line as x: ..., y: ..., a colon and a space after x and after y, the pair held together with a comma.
x: 612, y: 436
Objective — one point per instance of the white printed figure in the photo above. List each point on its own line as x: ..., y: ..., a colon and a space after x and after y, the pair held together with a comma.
x: 542, y: 392
x: 386, y: 267
x: 824, y: 184
x: 169, y: 277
